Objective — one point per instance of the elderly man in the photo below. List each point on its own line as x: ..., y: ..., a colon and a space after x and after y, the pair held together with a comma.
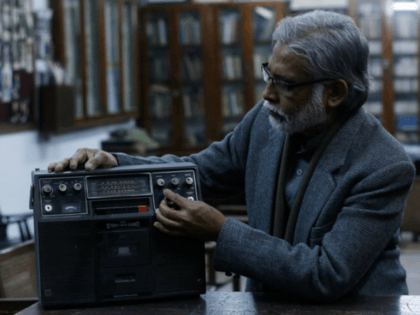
x: 325, y: 184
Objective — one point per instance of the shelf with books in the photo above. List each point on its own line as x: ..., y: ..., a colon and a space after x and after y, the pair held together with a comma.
x: 157, y: 30
x: 95, y: 41
x: 92, y: 62
x: 232, y: 72
x: 192, y: 65
x: 405, y: 75
x: 17, y: 83
x: 369, y: 20
x: 192, y: 86
x: 264, y: 21
x: 72, y: 10
x: 129, y: 55
x: 113, y: 65
x: 190, y: 28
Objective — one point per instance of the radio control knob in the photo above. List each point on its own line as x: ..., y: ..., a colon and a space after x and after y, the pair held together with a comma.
x: 160, y: 182
x: 191, y: 198
x: 62, y: 187
x: 47, y: 189
x: 77, y: 187
x: 175, y: 181
x: 189, y: 181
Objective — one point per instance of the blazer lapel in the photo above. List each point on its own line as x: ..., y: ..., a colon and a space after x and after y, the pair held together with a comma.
x: 322, y: 182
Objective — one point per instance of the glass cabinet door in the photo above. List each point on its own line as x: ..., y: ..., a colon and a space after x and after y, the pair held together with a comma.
x: 264, y: 21
x: 192, y: 78
x: 112, y: 56
x: 233, y: 105
x: 92, y: 58
x: 73, y: 50
x: 405, y: 49
x: 160, y: 100
x: 369, y: 20
x: 128, y: 26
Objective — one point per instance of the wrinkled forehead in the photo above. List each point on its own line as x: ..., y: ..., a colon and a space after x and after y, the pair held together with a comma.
x: 287, y: 63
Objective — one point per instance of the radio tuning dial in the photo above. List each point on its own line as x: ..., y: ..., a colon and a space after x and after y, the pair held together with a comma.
x: 62, y: 187
x: 77, y: 187
x: 161, y: 182
x: 175, y: 181
x: 47, y: 189
x: 189, y: 181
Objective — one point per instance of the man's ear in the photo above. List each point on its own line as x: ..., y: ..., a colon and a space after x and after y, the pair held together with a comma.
x: 336, y: 93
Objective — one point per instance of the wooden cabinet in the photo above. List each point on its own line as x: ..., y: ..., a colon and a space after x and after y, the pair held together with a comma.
x: 95, y: 41
x: 392, y: 30
x: 201, y: 69
x: 17, y: 79
x: 178, y: 76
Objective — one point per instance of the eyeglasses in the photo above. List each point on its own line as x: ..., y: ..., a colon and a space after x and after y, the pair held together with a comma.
x: 283, y: 87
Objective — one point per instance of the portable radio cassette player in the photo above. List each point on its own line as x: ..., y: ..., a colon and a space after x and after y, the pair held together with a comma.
x: 95, y: 241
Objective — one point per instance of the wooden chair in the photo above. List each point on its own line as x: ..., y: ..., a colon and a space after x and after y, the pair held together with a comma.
x: 411, y: 221
x: 17, y: 271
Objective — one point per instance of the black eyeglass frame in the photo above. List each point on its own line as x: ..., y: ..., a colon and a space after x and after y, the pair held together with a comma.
x: 289, y: 86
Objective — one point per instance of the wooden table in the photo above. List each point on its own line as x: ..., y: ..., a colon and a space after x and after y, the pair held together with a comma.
x: 238, y: 303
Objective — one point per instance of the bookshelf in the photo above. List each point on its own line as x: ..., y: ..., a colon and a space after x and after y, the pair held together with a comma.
x: 95, y: 41
x: 393, y: 65
x: 17, y: 79
x: 369, y: 18
x: 177, y: 75
x: 200, y: 69
x: 406, y: 69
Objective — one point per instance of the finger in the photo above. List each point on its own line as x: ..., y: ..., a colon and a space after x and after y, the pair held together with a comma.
x: 51, y: 167
x: 60, y: 166
x: 169, y: 212
x: 178, y: 199
x: 78, y: 158
x: 163, y: 229
x: 168, y: 223
x: 101, y: 158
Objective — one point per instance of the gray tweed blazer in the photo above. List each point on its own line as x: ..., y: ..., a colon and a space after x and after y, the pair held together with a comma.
x: 347, y: 232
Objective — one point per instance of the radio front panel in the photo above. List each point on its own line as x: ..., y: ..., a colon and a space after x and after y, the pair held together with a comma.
x: 94, y: 230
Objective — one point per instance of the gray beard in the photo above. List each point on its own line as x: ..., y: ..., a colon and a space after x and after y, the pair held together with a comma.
x: 311, y: 114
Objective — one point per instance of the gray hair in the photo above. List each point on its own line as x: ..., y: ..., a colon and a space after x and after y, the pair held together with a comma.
x: 333, y: 46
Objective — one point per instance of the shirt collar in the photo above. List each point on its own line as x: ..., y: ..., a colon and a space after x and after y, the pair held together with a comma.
x: 305, y: 145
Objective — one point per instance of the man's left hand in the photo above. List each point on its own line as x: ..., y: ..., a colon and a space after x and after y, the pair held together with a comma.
x: 194, y: 218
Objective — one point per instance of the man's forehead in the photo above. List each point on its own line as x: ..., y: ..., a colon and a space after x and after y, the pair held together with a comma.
x: 286, y: 63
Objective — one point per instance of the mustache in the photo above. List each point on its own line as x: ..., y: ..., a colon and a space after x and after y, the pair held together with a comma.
x: 275, y: 110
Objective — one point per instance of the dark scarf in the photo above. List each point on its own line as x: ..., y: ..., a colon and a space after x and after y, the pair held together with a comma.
x: 284, y: 223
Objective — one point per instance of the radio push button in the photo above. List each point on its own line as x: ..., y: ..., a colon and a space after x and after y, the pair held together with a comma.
x: 62, y: 188
x: 160, y: 182
x: 47, y: 189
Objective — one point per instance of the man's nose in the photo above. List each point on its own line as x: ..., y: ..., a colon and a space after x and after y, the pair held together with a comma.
x: 270, y: 93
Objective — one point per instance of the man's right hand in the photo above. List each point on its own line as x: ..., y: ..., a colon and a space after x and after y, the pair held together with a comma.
x: 89, y: 158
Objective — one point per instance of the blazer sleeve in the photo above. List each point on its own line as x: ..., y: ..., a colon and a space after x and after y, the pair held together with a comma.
x: 221, y: 165
x: 365, y: 225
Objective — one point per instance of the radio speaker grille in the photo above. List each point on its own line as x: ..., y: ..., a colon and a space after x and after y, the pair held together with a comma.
x: 179, y: 264
x: 66, y: 259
